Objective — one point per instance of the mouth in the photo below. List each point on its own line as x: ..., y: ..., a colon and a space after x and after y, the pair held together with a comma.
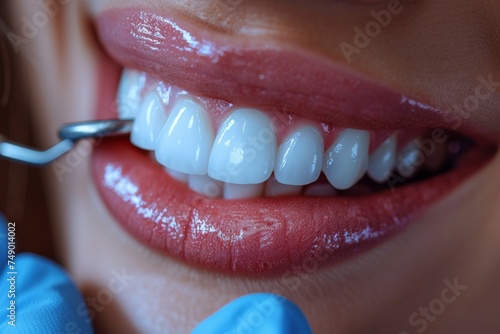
x: 255, y: 158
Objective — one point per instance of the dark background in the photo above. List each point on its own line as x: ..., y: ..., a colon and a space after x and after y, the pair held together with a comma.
x: 22, y: 194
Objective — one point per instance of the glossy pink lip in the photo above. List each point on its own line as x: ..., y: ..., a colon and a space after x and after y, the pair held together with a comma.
x: 259, y: 236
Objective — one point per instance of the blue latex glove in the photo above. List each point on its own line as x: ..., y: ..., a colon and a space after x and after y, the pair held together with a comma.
x: 46, y: 301
x: 260, y: 313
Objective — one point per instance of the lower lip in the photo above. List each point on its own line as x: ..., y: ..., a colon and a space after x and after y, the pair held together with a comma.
x: 264, y: 236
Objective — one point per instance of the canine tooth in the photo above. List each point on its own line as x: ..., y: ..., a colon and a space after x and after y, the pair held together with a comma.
x: 128, y: 99
x: 244, y: 149
x: 320, y: 190
x: 186, y: 139
x: 275, y: 188
x: 242, y: 191
x: 383, y: 160
x: 300, y: 157
x: 206, y: 186
x: 346, y: 161
x: 410, y: 160
x: 148, y: 122
x: 181, y: 177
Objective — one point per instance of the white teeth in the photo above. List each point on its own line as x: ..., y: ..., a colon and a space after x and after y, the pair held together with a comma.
x: 237, y: 161
x: 186, y: 139
x: 383, y: 160
x: 244, y: 149
x: 300, y: 157
x: 275, y: 188
x: 181, y: 177
x: 206, y: 186
x: 148, y: 122
x: 128, y: 99
x: 242, y: 191
x: 346, y: 160
x: 410, y: 159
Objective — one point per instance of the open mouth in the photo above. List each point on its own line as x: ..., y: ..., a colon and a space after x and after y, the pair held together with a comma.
x: 255, y: 158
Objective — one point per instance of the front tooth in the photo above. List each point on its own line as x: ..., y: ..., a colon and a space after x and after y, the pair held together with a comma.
x: 410, y: 159
x: 346, y: 161
x: 383, y: 160
x: 148, y: 122
x: 244, y: 149
x: 186, y: 139
x: 206, y: 186
x: 132, y: 83
x: 275, y: 188
x: 242, y: 191
x: 300, y: 157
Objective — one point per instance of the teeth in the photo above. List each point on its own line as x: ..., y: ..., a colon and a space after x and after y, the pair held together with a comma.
x: 148, y: 122
x: 205, y: 185
x: 346, y: 160
x: 244, y: 149
x: 275, y: 188
x: 410, y: 159
x: 186, y: 139
x: 129, y: 93
x: 239, y: 160
x: 181, y: 177
x: 242, y: 191
x: 383, y: 160
x: 300, y: 157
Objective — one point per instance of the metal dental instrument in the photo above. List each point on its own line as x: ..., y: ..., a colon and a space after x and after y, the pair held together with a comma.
x: 69, y: 134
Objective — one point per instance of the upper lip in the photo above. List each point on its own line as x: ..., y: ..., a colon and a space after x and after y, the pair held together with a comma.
x: 275, y: 77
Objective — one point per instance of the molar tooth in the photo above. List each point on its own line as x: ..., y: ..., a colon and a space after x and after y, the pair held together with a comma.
x: 186, y: 139
x: 410, y: 160
x: 300, y: 157
x: 128, y: 98
x: 148, y: 122
x: 346, y: 161
x: 383, y: 160
x: 244, y: 149
x: 242, y: 191
x: 275, y: 188
x: 206, y: 186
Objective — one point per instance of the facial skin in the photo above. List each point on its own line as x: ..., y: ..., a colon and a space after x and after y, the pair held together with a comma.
x: 433, y: 49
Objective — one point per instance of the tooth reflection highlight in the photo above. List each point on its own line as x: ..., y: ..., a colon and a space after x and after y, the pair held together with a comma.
x: 185, y: 141
x: 128, y: 98
x: 148, y: 122
x: 300, y: 157
x: 383, y: 160
x: 346, y: 161
x: 244, y: 149
x: 410, y: 160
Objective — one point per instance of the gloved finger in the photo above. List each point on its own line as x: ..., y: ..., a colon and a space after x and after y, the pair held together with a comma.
x: 256, y: 313
x: 45, y: 299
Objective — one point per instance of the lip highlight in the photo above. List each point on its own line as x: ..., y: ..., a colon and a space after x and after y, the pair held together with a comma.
x: 262, y: 236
